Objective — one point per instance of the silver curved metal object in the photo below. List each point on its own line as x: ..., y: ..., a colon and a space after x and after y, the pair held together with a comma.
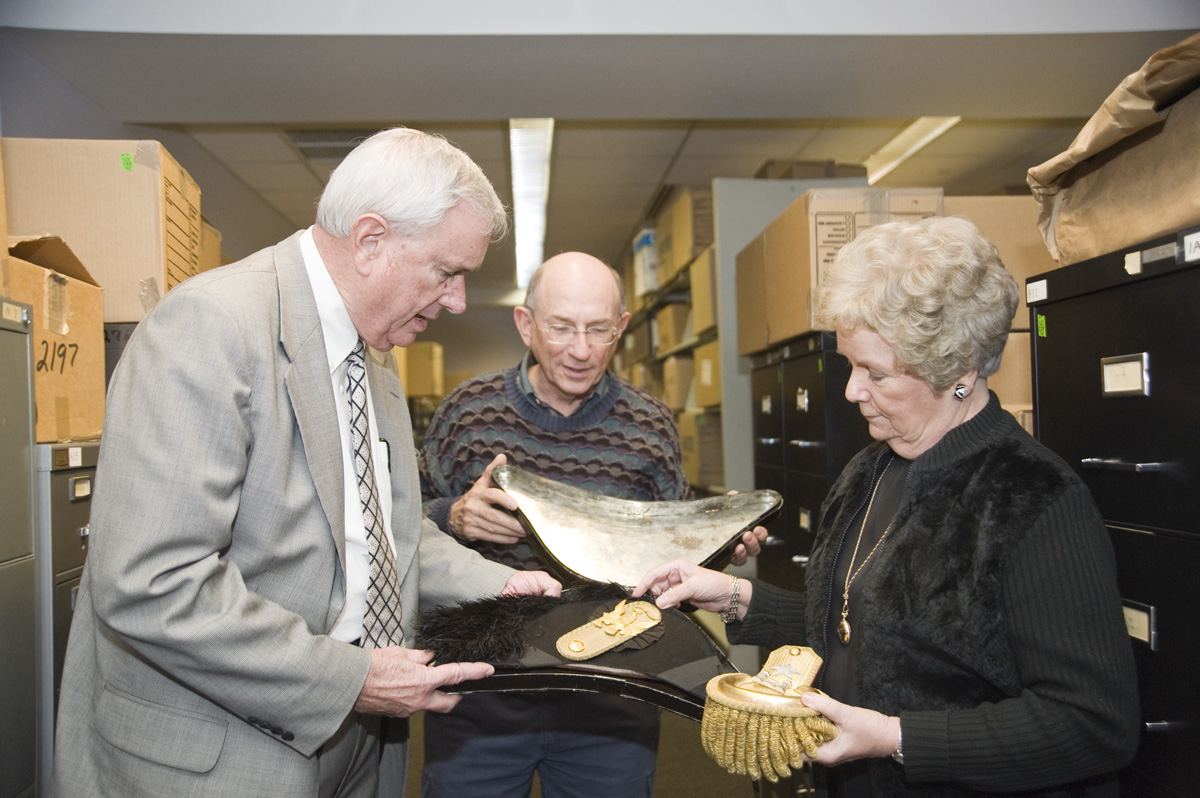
x: 603, y: 539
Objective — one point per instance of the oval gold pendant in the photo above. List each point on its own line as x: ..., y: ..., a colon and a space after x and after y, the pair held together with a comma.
x: 844, y: 632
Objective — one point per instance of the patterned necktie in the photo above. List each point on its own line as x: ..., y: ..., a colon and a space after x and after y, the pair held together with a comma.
x: 381, y: 624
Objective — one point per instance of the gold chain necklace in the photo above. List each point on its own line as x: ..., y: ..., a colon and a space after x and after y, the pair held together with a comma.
x: 851, y: 571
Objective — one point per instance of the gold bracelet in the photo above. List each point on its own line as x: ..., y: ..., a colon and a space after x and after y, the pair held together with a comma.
x: 730, y: 615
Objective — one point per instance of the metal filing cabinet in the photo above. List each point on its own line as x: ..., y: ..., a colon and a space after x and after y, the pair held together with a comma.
x: 1116, y: 376
x: 18, y: 561
x: 66, y: 478
x: 805, y: 431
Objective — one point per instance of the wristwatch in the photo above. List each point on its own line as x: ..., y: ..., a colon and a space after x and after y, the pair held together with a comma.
x: 898, y: 754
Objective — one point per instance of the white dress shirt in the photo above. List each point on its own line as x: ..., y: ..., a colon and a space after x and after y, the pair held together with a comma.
x: 340, y: 340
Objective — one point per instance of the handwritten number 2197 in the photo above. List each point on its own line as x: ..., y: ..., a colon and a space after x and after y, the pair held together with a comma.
x: 56, y: 357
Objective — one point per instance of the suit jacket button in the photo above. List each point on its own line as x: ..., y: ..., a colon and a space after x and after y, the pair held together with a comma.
x: 288, y: 736
x: 254, y: 721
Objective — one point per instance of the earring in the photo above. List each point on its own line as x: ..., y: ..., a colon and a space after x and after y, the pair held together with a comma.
x: 960, y: 392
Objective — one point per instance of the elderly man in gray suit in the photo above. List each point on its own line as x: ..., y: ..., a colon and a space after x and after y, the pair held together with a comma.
x: 258, y: 553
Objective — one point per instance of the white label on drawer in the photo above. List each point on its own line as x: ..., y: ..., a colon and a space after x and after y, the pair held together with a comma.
x: 11, y: 312
x: 1036, y: 292
x: 74, y: 457
x: 1191, y: 247
x: 766, y: 405
x: 1137, y: 623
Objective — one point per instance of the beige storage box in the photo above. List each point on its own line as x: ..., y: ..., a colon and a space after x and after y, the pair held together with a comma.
x: 423, y: 375
x: 68, y: 337
x: 682, y: 231
x: 704, y: 292
x: 1009, y: 222
x: 671, y: 326
x: 128, y: 209
x: 678, y: 380
x: 708, y: 374
x: 777, y: 272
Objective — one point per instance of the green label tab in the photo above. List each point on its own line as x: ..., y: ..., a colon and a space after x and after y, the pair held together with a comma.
x: 127, y: 161
x: 1041, y: 322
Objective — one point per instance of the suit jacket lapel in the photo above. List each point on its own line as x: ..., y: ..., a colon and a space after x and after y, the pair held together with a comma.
x: 309, y: 387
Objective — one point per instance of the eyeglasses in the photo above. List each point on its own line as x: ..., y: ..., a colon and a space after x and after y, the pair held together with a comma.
x: 565, y: 334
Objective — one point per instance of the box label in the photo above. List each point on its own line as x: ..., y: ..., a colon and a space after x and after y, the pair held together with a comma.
x: 1191, y: 248
x: 1036, y: 292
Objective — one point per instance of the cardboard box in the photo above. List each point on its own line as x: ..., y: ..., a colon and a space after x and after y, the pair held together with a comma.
x: 1130, y: 175
x: 671, y: 326
x: 129, y: 210
x: 682, y: 231
x: 808, y: 170
x: 679, y: 372
x: 3, y: 215
x: 1009, y: 222
x: 708, y: 374
x: 648, y: 375
x: 68, y: 337
x: 704, y: 292
x: 636, y: 343
x: 645, y: 263
x: 1013, y: 383
x: 753, y: 334
x: 210, y: 247
x: 775, y: 301
x: 701, y: 448
x: 423, y: 375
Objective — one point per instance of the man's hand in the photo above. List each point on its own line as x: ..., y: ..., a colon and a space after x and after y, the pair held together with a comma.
x: 401, y: 683
x: 477, y: 515
x: 751, y: 545
x: 862, y: 733
x: 535, y: 583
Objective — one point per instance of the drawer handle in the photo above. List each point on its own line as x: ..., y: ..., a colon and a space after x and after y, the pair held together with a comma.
x: 773, y: 540
x: 801, y: 560
x: 768, y: 441
x: 1160, y: 726
x: 85, y: 530
x: 807, y: 444
x: 1120, y: 465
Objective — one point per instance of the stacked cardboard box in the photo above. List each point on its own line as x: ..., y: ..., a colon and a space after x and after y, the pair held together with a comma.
x: 127, y: 208
x: 708, y: 374
x: 701, y: 448
x: 678, y: 381
x: 423, y: 374
x: 671, y: 325
x: 808, y: 170
x: 68, y: 337
x: 777, y: 271
x: 682, y: 231
x: 704, y: 292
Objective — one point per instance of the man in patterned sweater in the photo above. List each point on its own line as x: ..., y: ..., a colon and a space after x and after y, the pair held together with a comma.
x: 560, y: 414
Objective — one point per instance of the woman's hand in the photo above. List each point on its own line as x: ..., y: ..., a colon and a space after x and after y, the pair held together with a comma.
x: 862, y: 733
x: 679, y: 580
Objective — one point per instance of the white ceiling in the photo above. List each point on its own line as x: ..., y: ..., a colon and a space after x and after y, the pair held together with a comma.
x: 636, y: 113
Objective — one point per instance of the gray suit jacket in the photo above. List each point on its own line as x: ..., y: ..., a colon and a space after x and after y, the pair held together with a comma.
x: 198, y: 662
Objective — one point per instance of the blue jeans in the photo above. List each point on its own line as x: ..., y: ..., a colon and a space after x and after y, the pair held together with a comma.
x: 582, y: 745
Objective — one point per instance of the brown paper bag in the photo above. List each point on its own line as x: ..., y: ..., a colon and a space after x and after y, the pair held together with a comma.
x: 1130, y: 175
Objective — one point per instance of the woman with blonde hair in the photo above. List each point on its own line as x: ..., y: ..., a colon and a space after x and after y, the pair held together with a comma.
x: 962, y: 587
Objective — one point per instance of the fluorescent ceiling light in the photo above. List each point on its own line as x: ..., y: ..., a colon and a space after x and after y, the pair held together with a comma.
x: 529, y: 142
x: 908, y: 143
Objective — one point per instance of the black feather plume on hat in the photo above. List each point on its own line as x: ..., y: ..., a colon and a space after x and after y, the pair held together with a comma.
x: 496, y: 630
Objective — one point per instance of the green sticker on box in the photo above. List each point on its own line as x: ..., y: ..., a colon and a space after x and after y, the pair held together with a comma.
x: 1041, y: 321
x: 127, y: 161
